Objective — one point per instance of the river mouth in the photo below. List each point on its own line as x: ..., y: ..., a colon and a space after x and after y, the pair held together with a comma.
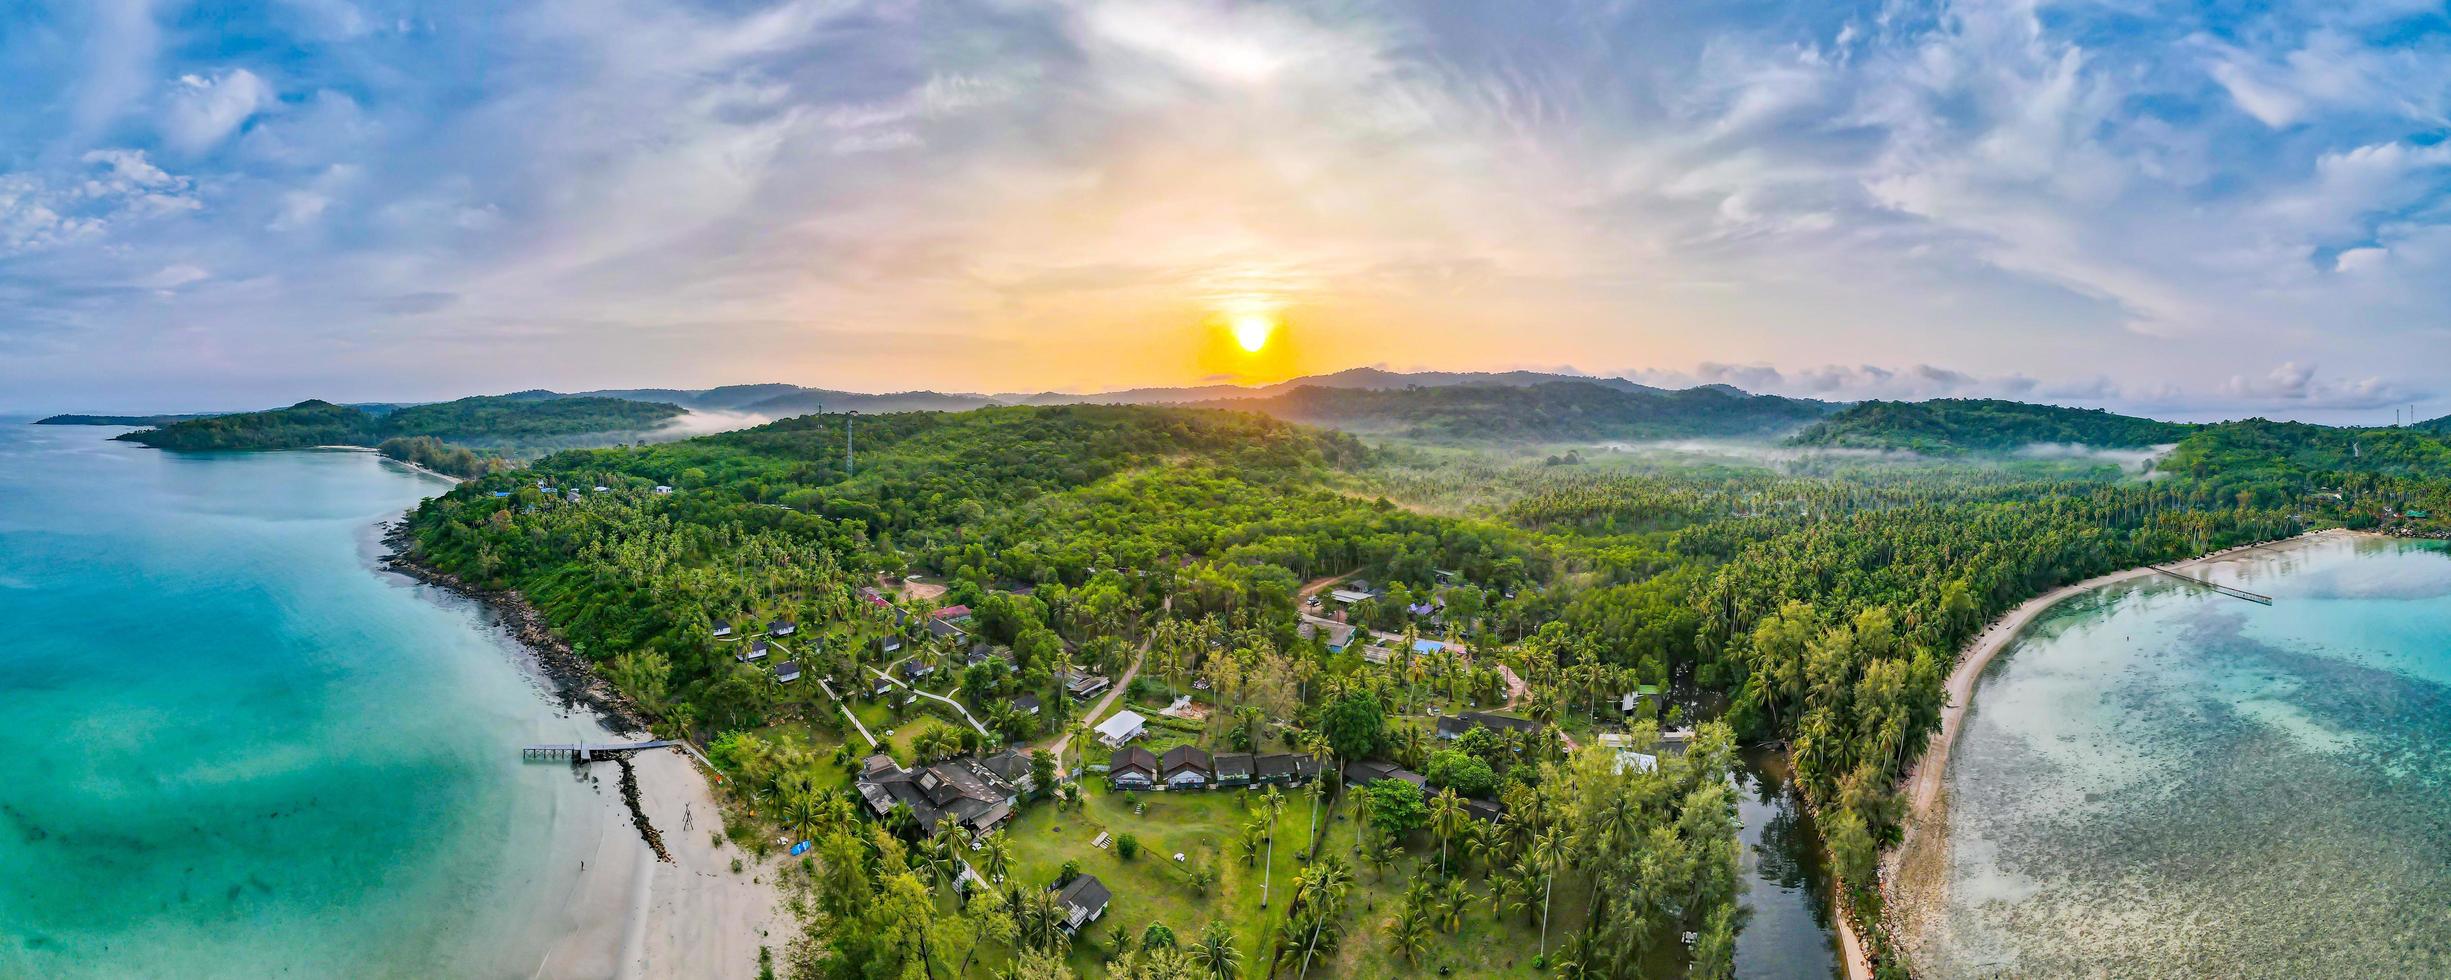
x: 2158, y: 780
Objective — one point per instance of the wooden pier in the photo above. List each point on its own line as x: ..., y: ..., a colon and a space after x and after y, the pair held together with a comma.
x: 585, y: 752
x: 2223, y: 589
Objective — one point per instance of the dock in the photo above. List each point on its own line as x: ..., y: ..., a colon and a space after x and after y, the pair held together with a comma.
x: 588, y: 752
x: 2223, y: 589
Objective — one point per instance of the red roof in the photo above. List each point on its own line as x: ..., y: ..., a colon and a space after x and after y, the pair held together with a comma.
x: 952, y: 612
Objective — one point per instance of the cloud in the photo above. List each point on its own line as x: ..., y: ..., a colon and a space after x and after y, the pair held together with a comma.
x: 2295, y: 385
x: 205, y: 109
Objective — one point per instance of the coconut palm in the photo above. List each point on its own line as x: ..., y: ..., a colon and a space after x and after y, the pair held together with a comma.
x: 1446, y: 817
x: 1410, y: 934
x: 1271, y: 805
x: 1215, y: 951
x: 996, y: 852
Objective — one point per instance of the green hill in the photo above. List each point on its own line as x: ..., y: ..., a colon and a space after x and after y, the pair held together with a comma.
x: 1566, y: 410
x: 507, y: 422
x: 1947, y: 426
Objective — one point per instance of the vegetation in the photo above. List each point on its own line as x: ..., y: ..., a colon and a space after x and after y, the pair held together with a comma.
x: 1818, y: 606
x: 498, y: 421
x: 1958, y: 425
x: 1550, y: 411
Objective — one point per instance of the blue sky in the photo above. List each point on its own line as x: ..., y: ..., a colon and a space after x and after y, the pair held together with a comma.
x: 2185, y: 209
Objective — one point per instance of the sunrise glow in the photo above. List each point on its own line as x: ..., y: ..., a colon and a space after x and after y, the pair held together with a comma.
x: 1252, y: 330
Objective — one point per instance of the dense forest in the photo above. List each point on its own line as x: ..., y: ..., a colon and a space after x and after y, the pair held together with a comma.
x: 1958, y: 425
x: 1818, y: 606
x: 506, y: 422
x: 1562, y: 410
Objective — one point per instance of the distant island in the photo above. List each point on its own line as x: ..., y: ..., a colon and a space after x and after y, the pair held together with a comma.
x: 1948, y: 426
x: 444, y: 436
x: 119, y: 419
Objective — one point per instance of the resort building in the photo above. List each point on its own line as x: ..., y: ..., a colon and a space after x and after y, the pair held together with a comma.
x: 787, y: 672
x: 973, y: 793
x: 1123, y: 727
x: 1026, y: 704
x: 754, y: 652
x: 1366, y: 773
x: 781, y: 627
x: 1082, y: 684
x: 1283, y: 769
x: 1132, y: 768
x: 1083, y: 901
x: 722, y: 629
x: 1186, y: 767
x: 1454, y: 726
x: 1336, y: 635
x: 1234, y: 769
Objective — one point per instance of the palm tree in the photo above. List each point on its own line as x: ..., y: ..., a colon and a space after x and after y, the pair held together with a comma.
x: 1215, y: 951
x: 1451, y: 901
x: 1273, y: 804
x: 1409, y: 934
x: 1547, y: 850
x: 996, y: 853
x: 1446, y: 814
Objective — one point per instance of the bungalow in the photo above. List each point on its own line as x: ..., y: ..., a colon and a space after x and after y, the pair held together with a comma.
x: 1347, y: 597
x: 1378, y: 654
x: 1365, y: 773
x: 602, y: 489
x: 1454, y: 726
x: 1186, y: 767
x: 890, y: 644
x: 1083, y: 684
x: 1083, y: 901
x: 1026, y: 704
x: 572, y: 496
x: 1011, y: 766
x: 787, y: 672
x: 1123, y: 727
x: 1279, y: 768
x: 755, y: 652
x: 1234, y: 769
x: 916, y: 669
x: 951, y: 614
x: 1483, y: 810
x: 1633, y: 699
x: 1336, y: 635
x: 879, y: 685
x: 943, y: 629
x: 722, y: 629
x: 662, y: 490
x: 781, y: 627
x: 1132, y: 768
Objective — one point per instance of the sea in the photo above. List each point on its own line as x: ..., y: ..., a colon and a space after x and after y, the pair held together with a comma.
x: 232, y: 746
x: 2159, y: 780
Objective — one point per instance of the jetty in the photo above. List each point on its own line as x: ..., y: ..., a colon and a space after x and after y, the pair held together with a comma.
x: 589, y: 752
x: 2217, y: 587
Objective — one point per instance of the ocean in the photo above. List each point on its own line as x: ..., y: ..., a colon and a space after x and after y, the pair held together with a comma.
x: 2157, y: 780
x: 231, y: 746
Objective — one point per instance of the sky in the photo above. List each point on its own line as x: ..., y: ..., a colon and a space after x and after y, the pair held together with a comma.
x: 2186, y: 209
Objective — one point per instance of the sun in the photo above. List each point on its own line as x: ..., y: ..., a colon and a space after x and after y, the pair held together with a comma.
x: 1252, y: 330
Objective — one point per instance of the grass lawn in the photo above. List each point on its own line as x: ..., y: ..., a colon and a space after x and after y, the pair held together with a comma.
x: 1206, y: 826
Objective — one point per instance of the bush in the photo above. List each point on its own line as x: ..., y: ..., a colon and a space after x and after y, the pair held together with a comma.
x: 1127, y: 847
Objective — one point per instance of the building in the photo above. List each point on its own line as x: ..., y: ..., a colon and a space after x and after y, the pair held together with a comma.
x: 787, y: 672
x: 951, y: 614
x: 1234, y: 769
x: 1084, y: 900
x: 1336, y: 635
x: 1454, y: 726
x: 755, y: 652
x: 1026, y: 704
x: 1366, y: 773
x: 973, y: 793
x: 1013, y: 767
x: 1132, y: 768
x: 916, y: 669
x: 723, y: 629
x: 1483, y: 810
x: 1347, y: 597
x: 1186, y: 767
x: 943, y: 629
x: 662, y: 490
x: 1281, y: 769
x: 781, y: 627
x: 1123, y: 727
x: 1082, y: 684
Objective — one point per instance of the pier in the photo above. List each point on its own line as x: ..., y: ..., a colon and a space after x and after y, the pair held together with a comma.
x: 2223, y: 589
x: 585, y: 752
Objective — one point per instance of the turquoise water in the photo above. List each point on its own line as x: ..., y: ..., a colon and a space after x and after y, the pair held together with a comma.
x: 2159, y: 781
x: 231, y: 746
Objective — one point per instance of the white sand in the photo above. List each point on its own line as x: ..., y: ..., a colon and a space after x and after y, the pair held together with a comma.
x: 630, y: 915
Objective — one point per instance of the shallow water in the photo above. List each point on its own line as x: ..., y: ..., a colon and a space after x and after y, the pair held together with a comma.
x: 1786, y: 934
x: 2160, y: 781
x: 232, y: 747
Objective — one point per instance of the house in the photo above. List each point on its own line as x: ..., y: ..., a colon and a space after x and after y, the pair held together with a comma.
x: 1082, y: 684
x: 983, y: 652
x: 1633, y: 699
x: 755, y: 652
x: 1336, y: 635
x: 874, y: 597
x: 1454, y: 726
x: 722, y: 629
x: 879, y: 685
x: 1026, y: 704
x: 781, y: 627
x: 1123, y: 727
x: 890, y: 644
x: 787, y: 672
x: 1483, y: 810
x: 1366, y: 773
x: 1013, y: 767
x: 951, y: 614
x: 970, y: 792
x: 1378, y: 654
x: 1281, y: 768
x: 943, y: 629
x: 916, y: 669
x: 1234, y: 769
x: 601, y: 489
x: 1083, y: 901
x: 1132, y: 768
x: 1347, y: 597
x: 572, y: 496
x: 662, y: 490
x: 1186, y: 767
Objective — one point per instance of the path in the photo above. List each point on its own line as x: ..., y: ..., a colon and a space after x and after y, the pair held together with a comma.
x: 957, y: 706
x: 846, y: 710
x: 1319, y: 585
x: 1114, y: 692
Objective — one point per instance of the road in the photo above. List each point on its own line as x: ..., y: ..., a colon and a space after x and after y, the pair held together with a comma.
x: 1112, y: 692
x: 957, y: 706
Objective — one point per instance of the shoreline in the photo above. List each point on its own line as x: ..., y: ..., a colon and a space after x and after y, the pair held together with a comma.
x: 1913, y: 865
x: 654, y: 891
x: 437, y: 474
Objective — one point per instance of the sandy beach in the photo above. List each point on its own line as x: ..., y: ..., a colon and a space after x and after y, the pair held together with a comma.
x: 627, y: 914
x: 1915, y: 865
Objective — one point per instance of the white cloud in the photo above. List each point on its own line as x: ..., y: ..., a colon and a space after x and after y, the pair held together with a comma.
x: 204, y: 110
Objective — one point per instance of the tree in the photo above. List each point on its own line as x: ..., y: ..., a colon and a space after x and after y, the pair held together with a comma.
x: 1157, y: 936
x: 1355, y: 724
x: 1394, y: 807
x: 1127, y: 846
x: 1271, y: 806
x: 1446, y: 817
x: 1409, y: 933
x: 1461, y: 772
x: 1215, y: 951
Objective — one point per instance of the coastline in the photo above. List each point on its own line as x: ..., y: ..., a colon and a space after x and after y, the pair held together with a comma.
x: 643, y: 885
x: 1919, y: 860
x: 455, y: 480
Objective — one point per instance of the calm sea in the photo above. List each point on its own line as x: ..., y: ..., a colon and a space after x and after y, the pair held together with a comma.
x: 230, y: 747
x: 2161, y: 781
